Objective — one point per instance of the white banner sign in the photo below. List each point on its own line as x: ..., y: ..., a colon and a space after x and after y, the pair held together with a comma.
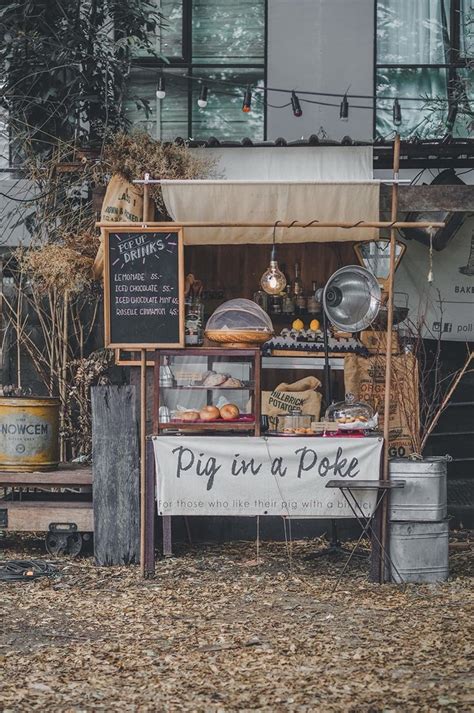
x: 447, y: 305
x: 262, y: 476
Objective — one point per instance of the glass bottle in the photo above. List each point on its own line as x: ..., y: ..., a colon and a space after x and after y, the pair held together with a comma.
x: 313, y: 304
x: 194, y: 322
x: 276, y: 304
x: 261, y: 298
x: 298, y: 283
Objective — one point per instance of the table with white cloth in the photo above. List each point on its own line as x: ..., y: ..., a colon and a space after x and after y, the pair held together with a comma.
x: 250, y: 476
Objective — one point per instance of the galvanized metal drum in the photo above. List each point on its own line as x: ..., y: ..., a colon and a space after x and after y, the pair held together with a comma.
x: 419, y: 551
x: 29, y: 434
x: 424, y: 497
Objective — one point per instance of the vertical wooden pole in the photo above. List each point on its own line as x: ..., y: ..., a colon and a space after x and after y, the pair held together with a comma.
x: 63, y: 376
x: 144, y: 494
x: 146, y: 198
x: 388, y: 364
x: 143, y: 488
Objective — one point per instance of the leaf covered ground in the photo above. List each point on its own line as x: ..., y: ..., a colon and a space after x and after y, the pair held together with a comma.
x: 219, y: 629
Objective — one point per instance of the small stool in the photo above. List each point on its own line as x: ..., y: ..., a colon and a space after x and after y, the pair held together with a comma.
x: 365, y: 521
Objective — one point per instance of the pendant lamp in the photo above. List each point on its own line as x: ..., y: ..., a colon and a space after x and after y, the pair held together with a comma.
x: 273, y: 281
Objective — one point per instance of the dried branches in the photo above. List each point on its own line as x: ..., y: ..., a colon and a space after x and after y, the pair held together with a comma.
x: 131, y: 155
x: 435, y: 387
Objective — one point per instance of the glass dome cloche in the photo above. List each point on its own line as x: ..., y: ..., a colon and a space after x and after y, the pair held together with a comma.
x: 239, y: 323
x: 351, y: 414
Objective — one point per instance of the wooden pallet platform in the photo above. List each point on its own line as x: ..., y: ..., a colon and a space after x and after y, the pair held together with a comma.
x: 68, y: 475
x: 37, y: 515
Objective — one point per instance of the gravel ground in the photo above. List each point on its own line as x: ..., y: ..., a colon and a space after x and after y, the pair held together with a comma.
x: 222, y: 630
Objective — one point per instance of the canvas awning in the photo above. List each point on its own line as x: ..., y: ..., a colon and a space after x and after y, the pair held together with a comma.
x: 268, y: 201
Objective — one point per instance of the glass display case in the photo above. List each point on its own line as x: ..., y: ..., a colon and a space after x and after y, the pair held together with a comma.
x: 203, y: 390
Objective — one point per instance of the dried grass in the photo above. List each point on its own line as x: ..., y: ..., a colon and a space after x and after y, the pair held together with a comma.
x: 132, y: 155
x: 56, y: 267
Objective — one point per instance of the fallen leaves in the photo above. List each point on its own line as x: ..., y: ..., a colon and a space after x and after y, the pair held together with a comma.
x: 215, y: 632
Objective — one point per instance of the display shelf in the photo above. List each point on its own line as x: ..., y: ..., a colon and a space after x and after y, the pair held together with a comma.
x: 209, y: 388
x: 209, y: 426
x: 242, y: 364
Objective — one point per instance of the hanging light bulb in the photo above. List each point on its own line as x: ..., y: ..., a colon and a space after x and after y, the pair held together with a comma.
x: 295, y: 105
x: 246, y: 104
x: 202, y: 101
x: 452, y: 114
x: 344, y: 109
x: 397, y: 113
x: 160, y: 89
x: 273, y: 281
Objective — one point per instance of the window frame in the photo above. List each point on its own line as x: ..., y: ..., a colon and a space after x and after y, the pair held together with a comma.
x: 185, y: 62
x: 457, y: 61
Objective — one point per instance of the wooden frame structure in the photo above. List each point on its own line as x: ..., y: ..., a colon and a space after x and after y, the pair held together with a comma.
x: 147, y: 511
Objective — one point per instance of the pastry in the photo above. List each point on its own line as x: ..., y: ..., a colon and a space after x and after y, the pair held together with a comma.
x: 189, y: 416
x: 229, y: 411
x: 215, y: 379
x: 231, y: 382
x: 209, y: 413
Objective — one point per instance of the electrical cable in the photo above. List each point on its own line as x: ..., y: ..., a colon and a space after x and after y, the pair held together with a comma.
x: 25, y: 570
x: 27, y: 200
x: 257, y: 88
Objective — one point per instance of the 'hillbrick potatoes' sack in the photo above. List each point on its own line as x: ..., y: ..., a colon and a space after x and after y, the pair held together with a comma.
x: 286, y: 397
x: 365, y: 378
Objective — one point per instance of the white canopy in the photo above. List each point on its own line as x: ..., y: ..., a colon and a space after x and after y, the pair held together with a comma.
x: 329, y: 184
x: 267, y: 201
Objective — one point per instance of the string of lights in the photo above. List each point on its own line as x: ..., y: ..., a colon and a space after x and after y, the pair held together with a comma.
x: 299, y: 97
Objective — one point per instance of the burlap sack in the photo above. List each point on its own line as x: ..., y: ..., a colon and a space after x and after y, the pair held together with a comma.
x: 365, y: 378
x: 122, y: 201
x: 286, y: 397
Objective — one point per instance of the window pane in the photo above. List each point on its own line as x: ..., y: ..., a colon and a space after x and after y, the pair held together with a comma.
x: 464, y: 92
x: 168, y: 40
x: 228, y: 32
x: 425, y: 118
x: 223, y: 116
x: 467, y: 28
x: 413, y: 31
x: 167, y: 118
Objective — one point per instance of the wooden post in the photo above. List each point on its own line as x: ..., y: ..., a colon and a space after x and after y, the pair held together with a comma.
x: 143, y: 488
x: 115, y: 474
x: 144, y: 494
x: 146, y: 198
x: 388, y: 363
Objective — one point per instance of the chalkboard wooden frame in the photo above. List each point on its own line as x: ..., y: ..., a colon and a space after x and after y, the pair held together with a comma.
x: 135, y: 346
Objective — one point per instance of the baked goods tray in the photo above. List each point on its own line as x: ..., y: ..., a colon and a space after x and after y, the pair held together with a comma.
x: 244, y: 418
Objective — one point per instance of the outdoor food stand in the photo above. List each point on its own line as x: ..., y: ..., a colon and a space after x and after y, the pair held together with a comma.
x: 216, y: 452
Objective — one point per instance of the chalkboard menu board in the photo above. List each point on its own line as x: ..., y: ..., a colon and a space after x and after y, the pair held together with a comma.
x: 143, y: 287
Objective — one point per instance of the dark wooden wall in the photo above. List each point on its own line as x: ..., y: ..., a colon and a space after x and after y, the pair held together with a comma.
x: 237, y: 269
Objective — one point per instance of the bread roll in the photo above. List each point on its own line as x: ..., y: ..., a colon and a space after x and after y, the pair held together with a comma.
x: 229, y: 411
x: 189, y: 416
x: 231, y: 381
x: 209, y: 413
x: 214, y: 379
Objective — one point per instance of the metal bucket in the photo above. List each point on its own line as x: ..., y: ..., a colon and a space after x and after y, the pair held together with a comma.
x: 419, y: 551
x: 424, y: 497
x: 29, y: 434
